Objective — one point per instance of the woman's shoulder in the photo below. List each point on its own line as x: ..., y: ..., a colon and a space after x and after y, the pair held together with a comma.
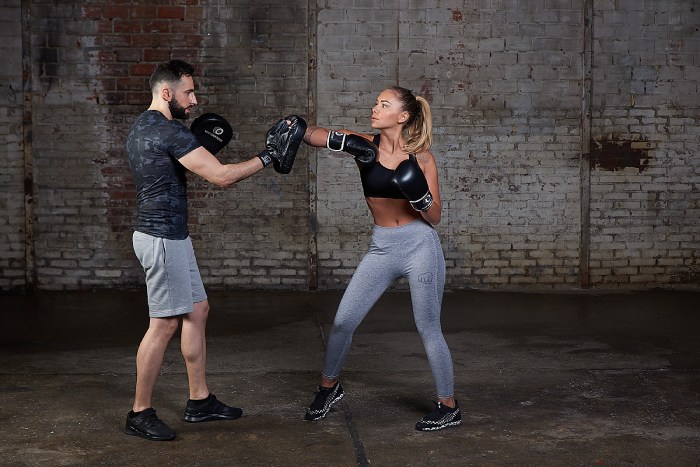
x: 425, y: 157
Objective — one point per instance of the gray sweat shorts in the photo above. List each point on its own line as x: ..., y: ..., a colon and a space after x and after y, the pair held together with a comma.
x: 173, y: 281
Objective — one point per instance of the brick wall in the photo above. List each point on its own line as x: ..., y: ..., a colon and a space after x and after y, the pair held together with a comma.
x: 504, y: 85
x: 645, y: 183
x: 504, y: 79
x: 91, y: 67
x: 11, y: 154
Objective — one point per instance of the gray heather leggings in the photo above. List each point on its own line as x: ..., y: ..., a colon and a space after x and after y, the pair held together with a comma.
x: 413, y: 251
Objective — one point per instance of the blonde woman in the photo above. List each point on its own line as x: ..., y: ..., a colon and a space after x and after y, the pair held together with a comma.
x: 400, y: 183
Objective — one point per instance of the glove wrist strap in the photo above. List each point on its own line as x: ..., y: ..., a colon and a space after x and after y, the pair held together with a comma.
x: 335, y: 140
x: 424, y: 203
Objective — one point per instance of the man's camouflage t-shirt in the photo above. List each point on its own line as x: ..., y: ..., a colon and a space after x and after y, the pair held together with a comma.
x: 154, y: 146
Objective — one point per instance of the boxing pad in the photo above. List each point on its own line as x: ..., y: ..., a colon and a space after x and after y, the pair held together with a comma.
x: 365, y: 151
x: 409, y: 178
x: 282, y: 143
x: 212, y: 131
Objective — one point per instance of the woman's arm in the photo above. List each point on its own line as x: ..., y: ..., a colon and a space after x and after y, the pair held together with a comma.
x: 426, y: 161
x: 355, y: 144
x: 316, y: 136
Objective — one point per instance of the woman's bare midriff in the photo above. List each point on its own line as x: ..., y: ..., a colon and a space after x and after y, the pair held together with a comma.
x: 388, y: 212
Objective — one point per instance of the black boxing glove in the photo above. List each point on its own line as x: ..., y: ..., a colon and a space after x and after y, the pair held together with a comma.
x: 365, y: 151
x: 409, y: 178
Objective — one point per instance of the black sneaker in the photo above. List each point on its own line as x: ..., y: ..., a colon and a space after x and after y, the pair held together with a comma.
x: 146, y: 424
x: 442, y: 417
x: 210, y: 409
x: 325, y: 398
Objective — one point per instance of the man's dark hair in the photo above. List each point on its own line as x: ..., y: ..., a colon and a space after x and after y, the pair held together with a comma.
x: 170, y: 72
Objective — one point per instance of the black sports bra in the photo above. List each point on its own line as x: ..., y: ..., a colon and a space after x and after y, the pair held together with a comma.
x: 376, y: 180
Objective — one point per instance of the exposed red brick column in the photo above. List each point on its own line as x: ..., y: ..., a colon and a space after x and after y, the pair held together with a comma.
x: 130, y: 40
x: 133, y: 38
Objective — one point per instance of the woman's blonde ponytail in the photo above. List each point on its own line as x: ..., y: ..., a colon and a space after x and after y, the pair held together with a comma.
x: 418, y: 128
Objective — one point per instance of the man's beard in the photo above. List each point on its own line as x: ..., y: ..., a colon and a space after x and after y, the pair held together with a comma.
x: 177, y: 111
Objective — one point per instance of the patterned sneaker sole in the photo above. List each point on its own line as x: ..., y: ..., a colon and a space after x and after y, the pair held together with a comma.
x: 323, y: 414
x: 440, y: 427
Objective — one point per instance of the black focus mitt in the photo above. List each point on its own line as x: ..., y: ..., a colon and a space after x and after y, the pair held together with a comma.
x: 212, y: 131
x: 282, y: 143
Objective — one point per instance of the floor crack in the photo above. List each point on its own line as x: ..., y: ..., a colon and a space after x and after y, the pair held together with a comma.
x: 357, y: 444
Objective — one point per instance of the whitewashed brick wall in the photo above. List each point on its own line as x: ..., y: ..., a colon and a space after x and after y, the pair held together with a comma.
x: 11, y: 151
x: 644, y: 214
x: 504, y: 79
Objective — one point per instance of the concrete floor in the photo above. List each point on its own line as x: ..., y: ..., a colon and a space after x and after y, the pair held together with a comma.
x: 543, y: 379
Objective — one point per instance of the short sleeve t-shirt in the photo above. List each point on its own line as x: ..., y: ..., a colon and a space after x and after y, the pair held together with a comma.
x: 153, y: 146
